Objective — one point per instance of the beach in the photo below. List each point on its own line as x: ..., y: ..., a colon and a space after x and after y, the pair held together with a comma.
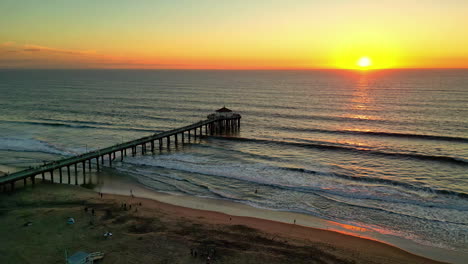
x: 146, y: 231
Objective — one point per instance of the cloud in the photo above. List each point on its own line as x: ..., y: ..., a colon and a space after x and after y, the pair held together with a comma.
x: 37, y: 48
x: 7, y: 44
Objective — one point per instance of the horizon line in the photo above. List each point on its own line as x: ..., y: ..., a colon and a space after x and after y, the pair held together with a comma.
x: 243, y: 69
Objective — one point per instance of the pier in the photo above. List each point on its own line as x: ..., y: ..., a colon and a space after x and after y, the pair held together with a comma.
x: 60, y: 171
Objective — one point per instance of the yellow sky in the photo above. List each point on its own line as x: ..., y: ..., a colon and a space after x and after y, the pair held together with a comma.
x: 233, y: 34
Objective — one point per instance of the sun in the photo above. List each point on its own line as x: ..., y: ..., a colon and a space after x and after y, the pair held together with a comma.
x: 364, y: 62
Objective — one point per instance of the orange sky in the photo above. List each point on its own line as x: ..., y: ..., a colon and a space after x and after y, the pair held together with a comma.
x: 254, y: 34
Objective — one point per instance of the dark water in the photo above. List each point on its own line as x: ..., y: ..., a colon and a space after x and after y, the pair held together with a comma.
x: 385, y: 151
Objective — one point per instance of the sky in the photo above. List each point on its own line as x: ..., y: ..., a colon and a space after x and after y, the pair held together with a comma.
x: 237, y: 34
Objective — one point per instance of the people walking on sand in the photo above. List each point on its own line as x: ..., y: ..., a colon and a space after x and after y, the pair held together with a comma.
x: 92, y: 211
x: 294, y: 221
x: 256, y: 191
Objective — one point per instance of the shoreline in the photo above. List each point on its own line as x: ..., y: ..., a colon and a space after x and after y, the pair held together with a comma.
x: 286, y: 230
x: 239, y: 233
x: 117, y: 183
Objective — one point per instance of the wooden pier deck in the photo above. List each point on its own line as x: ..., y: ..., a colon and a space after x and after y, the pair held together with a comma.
x: 211, y: 126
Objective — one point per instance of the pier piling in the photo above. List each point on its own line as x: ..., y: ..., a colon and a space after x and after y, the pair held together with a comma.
x: 217, y: 123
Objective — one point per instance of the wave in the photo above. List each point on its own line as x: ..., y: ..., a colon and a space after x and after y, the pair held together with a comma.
x: 80, y: 125
x: 31, y: 145
x: 147, y: 175
x: 386, y: 210
x: 369, y: 119
x: 381, y: 134
x: 382, y: 181
x: 317, y: 191
x: 448, y: 159
x: 222, y: 171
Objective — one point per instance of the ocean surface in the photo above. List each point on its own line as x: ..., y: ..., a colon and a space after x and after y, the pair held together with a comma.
x: 385, y: 151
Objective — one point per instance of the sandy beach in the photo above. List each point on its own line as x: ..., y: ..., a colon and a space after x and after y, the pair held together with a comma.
x: 149, y: 231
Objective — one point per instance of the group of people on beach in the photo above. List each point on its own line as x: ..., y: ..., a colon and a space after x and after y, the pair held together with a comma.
x: 209, y: 254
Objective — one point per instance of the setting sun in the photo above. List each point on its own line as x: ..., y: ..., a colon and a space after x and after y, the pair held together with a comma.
x: 364, y: 62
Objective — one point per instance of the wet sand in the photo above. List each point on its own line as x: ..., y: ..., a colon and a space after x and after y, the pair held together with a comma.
x: 157, y: 232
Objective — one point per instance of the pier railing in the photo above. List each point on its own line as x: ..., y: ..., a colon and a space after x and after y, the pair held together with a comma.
x: 211, y: 126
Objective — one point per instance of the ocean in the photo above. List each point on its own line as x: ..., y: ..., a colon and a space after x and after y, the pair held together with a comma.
x: 385, y: 151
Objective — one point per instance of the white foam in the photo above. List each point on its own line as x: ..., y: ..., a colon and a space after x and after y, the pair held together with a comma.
x: 30, y: 145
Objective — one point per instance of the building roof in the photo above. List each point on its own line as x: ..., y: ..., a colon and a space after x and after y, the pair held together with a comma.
x: 78, y: 258
x: 223, y: 110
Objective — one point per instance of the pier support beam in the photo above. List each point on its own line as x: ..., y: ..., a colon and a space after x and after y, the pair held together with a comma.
x: 168, y: 142
x: 60, y: 175
x: 110, y: 160
x: 52, y: 176
x: 97, y: 163
x: 43, y: 177
x: 89, y: 165
x: 68, y: 171
x: 76, y: 174
x: 121, y: 155
x: 33, y: 180
x: 24, y: 182
x: 160, y: 145
x: 152, y: 146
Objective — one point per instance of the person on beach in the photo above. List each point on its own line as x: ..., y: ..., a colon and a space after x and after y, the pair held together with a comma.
x: 92, y: 211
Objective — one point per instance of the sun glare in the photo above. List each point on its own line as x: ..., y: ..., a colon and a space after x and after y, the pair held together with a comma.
x: 364, y: 62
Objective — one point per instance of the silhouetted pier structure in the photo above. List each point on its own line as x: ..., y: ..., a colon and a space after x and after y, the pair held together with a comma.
x: 221, y: 122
